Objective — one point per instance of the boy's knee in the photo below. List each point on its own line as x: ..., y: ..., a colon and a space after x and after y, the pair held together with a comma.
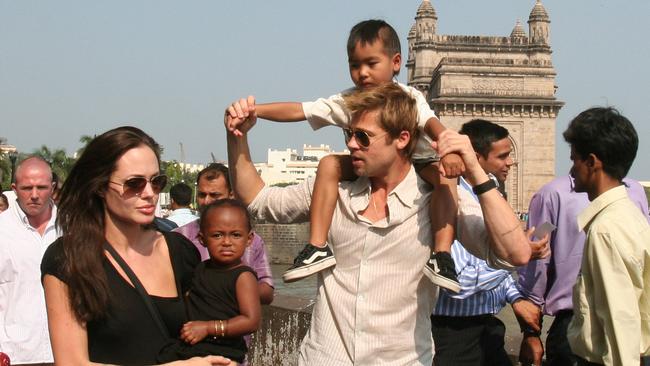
x: 333, y: 164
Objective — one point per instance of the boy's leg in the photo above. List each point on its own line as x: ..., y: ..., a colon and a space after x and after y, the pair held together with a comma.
x: 440, y: 268
x: 316, y: 255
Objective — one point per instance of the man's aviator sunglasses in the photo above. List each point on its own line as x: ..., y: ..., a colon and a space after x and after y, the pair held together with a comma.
x: 363, y: 139
x: 137, y: 184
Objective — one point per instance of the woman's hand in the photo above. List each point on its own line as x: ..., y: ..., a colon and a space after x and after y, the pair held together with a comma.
x: 205, y: 361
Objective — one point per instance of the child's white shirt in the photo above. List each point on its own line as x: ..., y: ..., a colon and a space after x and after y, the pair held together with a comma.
x: 332, y: 111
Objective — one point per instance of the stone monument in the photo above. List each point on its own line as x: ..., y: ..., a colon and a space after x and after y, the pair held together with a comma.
x: 509, y: 80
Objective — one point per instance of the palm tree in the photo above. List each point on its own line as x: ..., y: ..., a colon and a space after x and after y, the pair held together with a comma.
x: 60, y: 162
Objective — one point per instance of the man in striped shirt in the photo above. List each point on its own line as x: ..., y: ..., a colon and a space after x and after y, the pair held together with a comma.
x: 464, y: 328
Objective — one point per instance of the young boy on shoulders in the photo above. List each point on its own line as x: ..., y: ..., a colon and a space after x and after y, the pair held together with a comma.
x: 374, y: 58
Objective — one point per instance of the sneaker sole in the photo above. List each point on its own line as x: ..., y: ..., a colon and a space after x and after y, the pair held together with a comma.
x: 441, y: 281
x: 307, y: 270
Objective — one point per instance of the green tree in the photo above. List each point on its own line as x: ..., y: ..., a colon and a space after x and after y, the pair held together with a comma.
x: 176, y: 174
x: 85, y: 140
x: 5, y: 172
x: 60, y: 162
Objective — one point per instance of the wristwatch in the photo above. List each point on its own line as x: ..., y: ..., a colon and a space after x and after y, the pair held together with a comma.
x: 489, y: 184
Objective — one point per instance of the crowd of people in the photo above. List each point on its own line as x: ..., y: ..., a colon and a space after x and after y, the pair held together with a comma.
x: 412, y: 241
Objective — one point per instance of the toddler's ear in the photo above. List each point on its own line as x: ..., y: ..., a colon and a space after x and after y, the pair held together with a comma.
x: 250, y: 238
x: 200, y: 237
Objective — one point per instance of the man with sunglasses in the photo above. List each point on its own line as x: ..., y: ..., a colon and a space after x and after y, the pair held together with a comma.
x: 374, y: 306
x: 26, y: 230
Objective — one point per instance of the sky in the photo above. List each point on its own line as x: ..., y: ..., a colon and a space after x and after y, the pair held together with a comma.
x: 72, y: 68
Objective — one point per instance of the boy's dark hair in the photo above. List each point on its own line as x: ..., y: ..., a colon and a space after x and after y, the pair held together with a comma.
x: 226, y: 202
x: 369, y: 31
x: 214, y: 171
x: 181, y: 193
x: 606, y: 133
x: 482, y: 134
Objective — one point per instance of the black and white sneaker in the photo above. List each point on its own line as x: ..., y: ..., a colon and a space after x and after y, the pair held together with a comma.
x: 310, y: 260
x: 441, y: 270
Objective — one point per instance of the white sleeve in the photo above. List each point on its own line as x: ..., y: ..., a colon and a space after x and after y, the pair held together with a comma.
x: 329, y: 111
x: 424, y: 110
x: 283, y: 205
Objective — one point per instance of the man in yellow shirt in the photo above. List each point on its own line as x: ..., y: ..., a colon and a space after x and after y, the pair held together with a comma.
x: 611, y: 321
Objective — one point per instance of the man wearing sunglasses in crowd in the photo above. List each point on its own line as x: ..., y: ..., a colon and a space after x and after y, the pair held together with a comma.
x: 373, y: 307
x: 26, y: 230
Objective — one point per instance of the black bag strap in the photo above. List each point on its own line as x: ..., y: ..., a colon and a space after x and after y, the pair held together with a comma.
x: 138, y: 286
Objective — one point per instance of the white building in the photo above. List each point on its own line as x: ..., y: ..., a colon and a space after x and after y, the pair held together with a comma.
x: 192, y: 168
x: 288, y: 167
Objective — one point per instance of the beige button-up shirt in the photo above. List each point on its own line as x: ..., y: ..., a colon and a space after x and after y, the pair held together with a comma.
x: 373, y: 307
x: 611, y: 299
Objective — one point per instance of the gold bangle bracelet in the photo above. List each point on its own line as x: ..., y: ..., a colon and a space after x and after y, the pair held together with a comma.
x: 223, y: 328
x: 216, y: 331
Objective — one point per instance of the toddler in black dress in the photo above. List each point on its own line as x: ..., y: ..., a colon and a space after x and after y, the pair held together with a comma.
x: 223, y: 303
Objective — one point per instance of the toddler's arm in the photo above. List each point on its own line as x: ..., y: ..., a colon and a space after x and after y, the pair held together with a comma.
x: 278, y: 112
x: 248, y: 298
x: 247, y: 322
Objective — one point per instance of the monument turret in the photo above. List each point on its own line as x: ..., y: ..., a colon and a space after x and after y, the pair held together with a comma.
x: 538, y: 25
x: 426, y: 21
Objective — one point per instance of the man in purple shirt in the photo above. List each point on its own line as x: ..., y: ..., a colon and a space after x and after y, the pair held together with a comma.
x: 213, y: 184
x: 548, y: 283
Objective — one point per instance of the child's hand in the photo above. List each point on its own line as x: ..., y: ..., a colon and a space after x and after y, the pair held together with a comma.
x: 194, y: 332
x: 238, y: 113
x: 451, y: 165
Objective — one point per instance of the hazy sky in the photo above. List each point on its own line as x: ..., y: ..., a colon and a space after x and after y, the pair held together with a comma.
x: 72, y: 68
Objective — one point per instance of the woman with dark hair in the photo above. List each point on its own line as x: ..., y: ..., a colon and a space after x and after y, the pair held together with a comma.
x: 113, y: 285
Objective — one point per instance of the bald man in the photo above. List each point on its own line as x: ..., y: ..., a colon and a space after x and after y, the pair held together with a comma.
x: 26, y: 230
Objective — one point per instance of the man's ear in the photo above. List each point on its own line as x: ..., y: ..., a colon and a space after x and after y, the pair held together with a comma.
x: 593, y: 162
x: 403, y: 139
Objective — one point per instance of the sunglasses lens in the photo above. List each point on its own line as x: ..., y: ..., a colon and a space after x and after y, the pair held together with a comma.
x: 158, y: 183
x: 362, y: 138
x: 348, y: 135
x: 135, y: 184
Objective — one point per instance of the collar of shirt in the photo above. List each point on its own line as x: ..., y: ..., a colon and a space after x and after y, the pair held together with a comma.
x: 403, y: 191
x: 179, y: 211
x: 599, y: 204
x: 23, y: 217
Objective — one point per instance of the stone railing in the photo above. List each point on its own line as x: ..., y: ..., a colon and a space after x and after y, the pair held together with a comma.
x: 284, y: 325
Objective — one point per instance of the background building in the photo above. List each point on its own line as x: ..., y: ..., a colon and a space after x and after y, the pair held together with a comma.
x: 509, y: 80
x: 288, y: 167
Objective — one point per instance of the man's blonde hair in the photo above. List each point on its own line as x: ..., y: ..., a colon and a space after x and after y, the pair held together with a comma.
x: 397, y: 110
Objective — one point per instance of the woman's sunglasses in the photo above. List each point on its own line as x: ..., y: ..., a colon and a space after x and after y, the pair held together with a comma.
x: 137, y: 184
x: 363, y: 139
